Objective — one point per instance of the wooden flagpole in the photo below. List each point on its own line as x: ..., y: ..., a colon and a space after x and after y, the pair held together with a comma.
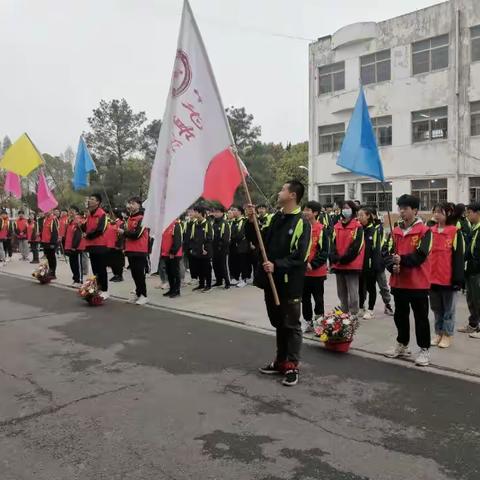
x: 261, y: 245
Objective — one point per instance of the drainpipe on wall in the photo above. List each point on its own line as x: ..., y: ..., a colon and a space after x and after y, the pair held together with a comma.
x: 457, y: 100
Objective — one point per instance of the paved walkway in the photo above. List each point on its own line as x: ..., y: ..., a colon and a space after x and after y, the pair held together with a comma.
x: 246, y: 306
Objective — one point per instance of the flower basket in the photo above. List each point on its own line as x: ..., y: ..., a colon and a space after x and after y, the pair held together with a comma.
x: 42, y: 274
x: 90, y: 292
x: 336, y: 330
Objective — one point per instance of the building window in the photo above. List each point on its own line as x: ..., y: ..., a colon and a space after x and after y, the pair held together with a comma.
x: 430, y: 192
x: 331, y: 194
x: 374, y: 196
x: 474, y: 119
x: 330, y: 137
x: 475, y: 37
x: 331, y: 78
x: 475, y: 189
x: 430, y: 124
x: 375, y: 68
x: 383, y: 130
x: 430, y: 55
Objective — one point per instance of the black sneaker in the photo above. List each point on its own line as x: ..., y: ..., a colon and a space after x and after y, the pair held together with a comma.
x: 270, y: 369
x: 227, y: 287
x: 388, y: 310
x: 291, y: 378
x: 196, y: 289
x: 217, y: 284
x: 167, y: 294
x: 206, y: 289
x: 174, y: 295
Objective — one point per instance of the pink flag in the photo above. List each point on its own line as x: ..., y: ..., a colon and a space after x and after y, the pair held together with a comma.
x: 12, y: 184
x: 194, y: 156
x: 45, y: 199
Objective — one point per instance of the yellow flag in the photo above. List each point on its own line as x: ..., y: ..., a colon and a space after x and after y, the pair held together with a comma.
x: 22, y: 157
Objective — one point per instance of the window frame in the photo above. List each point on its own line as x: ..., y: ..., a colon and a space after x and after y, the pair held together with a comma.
x: 375, y: 62
x: 332, y: 195
x: 473, y: 189
x: 376, y: 129
x: 429, y: 50
x: 476, y: 113
x: 430, y: 118
x: 474, y: 36
x: 333, y: 135
x: 330, y: 73
x: 434, y: 193
x: 378, y: 193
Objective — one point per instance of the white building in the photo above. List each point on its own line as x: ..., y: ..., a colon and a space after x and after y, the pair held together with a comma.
x: 421, y: 74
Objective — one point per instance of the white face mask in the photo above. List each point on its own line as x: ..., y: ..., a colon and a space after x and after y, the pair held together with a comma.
x: 347, y: 213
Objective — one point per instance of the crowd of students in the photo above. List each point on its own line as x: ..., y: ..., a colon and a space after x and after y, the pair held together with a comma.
x: 429, y: 263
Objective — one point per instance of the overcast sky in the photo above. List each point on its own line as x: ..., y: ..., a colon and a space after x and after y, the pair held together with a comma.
x: 58, y: 58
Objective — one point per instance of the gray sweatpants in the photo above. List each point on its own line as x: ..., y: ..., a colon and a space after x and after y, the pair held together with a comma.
x: 383, y: 287
x: 2, y: 252
x: 347, y: 291
x: 23, y: 248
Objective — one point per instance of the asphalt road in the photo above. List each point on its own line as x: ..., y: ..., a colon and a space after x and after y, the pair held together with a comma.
x: 121, y: 392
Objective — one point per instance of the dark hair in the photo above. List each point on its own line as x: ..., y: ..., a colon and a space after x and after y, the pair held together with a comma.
x: 460, y: 209
x: 74, y: 207
x: 296, y: 187
x: 370, y: 211
x: 314, y: 207
x: 218, y: 208
x: 3, y: 212
x: 328, y: 205
x: 21, y: 212
x: 98, y: 196
x: 201, y: 210
x: 239, y: 207
x: 261, y: 205
x: 352, y: 205
x: 135, y: 199
x: 450, y: 212
x: 408, y: 201
x: 474, y: 207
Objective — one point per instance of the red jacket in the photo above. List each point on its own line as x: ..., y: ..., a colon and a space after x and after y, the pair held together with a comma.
x: 111, y: 234
x: 136, y: 235
x: 447, y: 256
x: 95, y: 228
x: 172, y: 240
x: 50, y: 230
x: 62, y: 225
x: 21, y: 230
x: 348, y: 246
x: 414, y: 246
x: 73, y: 236
x: 4, y: 228
x: 318, y: 251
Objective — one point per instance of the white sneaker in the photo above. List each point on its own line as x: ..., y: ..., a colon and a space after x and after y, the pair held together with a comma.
x: 307, y: 327
x: 76, y: 285
x: 105, y: 295
x: 141, y: 300
x: 397, y: 351
x: 361, y: 312
x: 241, y: 284
x: 249, y: 281
x: 423, y: 358
x: 369, y: 315
x: 474, y: 335
x: 132, y: 299
x: 234, y: 282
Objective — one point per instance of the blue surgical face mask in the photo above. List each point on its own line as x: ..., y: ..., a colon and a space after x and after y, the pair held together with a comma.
x: 347, y: 213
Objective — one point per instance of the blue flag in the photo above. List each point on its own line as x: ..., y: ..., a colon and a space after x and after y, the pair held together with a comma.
x: 359, y: 152
x: 83, y: 165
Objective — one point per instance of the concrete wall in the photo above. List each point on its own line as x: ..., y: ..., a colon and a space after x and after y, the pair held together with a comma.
x: 454, y: 87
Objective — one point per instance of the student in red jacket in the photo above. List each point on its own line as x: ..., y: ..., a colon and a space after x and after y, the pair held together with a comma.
x: 136, y: 249
x: 171, y: 253
x: 95, y: 241
x: 6, y: 232
x: 346, y: 258
x: 74, y: 244
x: 33, y: 235
x: 316, y: 272
x: 49, y: 239
x: 22, y: 234
x: 407, y: 257
x: 115, y: 243
x: 448, y: 271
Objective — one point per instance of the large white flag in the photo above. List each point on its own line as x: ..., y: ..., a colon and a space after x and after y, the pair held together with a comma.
x: 194, y: 156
